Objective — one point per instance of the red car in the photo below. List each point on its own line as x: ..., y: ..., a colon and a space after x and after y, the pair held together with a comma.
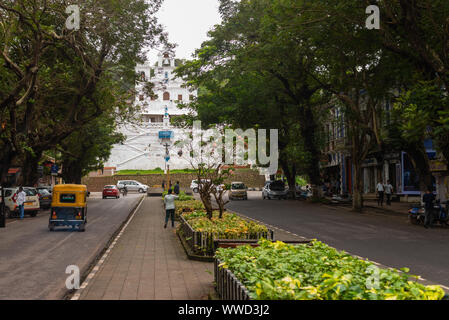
x: 111, y: 191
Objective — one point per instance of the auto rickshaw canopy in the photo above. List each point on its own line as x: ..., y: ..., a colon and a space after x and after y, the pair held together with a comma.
x: 69, y: 195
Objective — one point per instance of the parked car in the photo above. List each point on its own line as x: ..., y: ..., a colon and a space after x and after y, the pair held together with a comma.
x: 238, y: 191
x: 31, y: 205
x: 49, y: 188
x: 111, y: 191
x: 274, y: 189
x: 194, y: 185
x: 45, y: 197
x: 132, y: 185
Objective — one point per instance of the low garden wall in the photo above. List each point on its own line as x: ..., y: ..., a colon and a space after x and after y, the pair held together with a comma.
x: 251, y: 178
x: 203, y: 243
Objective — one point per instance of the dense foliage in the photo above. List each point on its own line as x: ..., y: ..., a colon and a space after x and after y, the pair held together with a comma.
x: 278, y: 271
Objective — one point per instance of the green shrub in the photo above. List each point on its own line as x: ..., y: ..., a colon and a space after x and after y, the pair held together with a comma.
x: 230, y: 226
x: 278, y: 271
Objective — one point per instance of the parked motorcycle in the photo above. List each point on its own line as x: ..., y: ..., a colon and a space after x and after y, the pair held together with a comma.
x: 417, y: 213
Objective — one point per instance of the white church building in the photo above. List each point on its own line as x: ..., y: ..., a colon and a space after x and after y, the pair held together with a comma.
x: 144, y: 147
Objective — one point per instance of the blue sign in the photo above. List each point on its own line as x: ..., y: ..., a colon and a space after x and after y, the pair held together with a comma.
x: 54, y: 168
x: 167, y: 158
x: 165, y: 134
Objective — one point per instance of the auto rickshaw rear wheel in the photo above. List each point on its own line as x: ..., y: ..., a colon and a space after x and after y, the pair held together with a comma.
x: 51, y: 227
x: 82, y: 227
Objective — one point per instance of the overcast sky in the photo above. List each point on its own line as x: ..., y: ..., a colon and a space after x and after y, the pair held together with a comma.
x: 187, y: 23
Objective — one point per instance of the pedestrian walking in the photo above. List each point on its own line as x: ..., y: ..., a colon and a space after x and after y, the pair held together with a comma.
x: 21, y: 197
x: 428, y: 199
x: 388, y: 192
x: 169, y: 203
x: 176, y: 189
x: 380, y: 192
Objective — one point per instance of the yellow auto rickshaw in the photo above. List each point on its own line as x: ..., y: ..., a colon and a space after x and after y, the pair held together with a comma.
x: 69, y: 206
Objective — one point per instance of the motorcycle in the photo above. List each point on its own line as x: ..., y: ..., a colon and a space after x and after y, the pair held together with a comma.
x: 417, y: 214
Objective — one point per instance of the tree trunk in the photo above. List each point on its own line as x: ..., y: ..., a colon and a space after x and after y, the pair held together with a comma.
x: 30, y: 175
x: 308, y: 132
x: 290, y: 173
x: 357, y: 198
x: 7, y: 156
x: 206, y: 199
x: 72, y: 172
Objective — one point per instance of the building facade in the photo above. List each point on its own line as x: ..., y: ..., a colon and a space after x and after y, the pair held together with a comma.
x: 395, y: 166
x: 145, y: 146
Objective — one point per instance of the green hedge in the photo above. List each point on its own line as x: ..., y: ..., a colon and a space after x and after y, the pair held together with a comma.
x: 278, y: 271
x: 230, y: 226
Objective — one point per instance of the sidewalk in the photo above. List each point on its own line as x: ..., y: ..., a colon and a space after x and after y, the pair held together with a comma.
x: 395, y: 207
x: 149, y: 263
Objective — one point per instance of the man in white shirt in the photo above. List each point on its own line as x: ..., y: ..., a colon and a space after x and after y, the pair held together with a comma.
x: 21, y: 198
x: 169, y: 202
x: 388, y: 191
x: 380, y: 192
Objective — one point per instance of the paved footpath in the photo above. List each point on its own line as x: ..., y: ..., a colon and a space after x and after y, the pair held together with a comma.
x: 148, y: 263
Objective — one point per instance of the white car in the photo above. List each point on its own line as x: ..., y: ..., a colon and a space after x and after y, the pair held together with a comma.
x: 31, y: 205
x: 194, y: 185
x: 274, y: 189
x: 132, y: 185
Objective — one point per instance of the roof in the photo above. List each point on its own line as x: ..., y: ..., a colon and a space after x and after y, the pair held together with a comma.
x: 70, y: 187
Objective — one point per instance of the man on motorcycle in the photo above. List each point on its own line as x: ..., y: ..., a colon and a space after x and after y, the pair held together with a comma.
x: 428, y: 199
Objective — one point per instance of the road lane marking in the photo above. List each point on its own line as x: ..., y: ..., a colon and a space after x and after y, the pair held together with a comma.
x: 103, y: 258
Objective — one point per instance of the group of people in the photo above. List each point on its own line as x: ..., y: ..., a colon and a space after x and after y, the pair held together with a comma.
x: 331, y: 187
x: 169, y: 203
x: 384, y: 190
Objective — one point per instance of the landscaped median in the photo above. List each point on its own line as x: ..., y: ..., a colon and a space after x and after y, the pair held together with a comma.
x: 198, y: 232
x: 315, y: 271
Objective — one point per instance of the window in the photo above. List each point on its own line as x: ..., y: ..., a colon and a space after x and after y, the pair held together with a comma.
x: 141, y: 97
x: 142, y: 76
x: 30, y: 192
x: 166, y: 96
x: 191, y: 97
x: 166, y: 75
x: 180, y: 97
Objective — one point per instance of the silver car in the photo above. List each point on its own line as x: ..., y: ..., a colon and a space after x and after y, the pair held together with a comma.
x: 274, y: 189
x: 132, y: 185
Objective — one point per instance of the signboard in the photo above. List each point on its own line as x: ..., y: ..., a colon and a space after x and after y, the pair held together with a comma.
x: 54, y: 168
x: 436, y: 165
x: 165, y: 134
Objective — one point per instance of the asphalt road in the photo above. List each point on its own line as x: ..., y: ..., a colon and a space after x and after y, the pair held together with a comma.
x: 384, y: 238
x: 33, y: 260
